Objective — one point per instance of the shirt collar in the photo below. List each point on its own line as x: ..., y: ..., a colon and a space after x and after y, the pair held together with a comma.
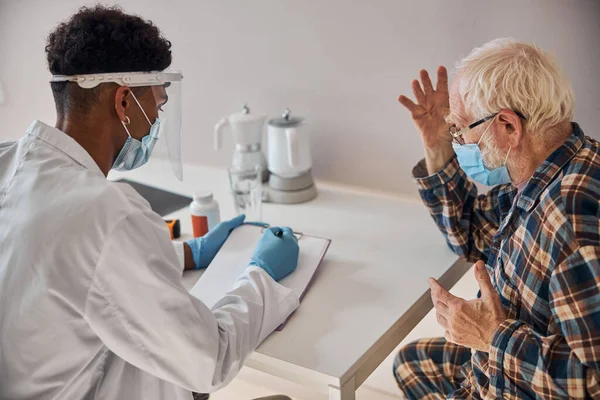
x: 521, y: 186
x: 63, y: 142
x: 552, y: 166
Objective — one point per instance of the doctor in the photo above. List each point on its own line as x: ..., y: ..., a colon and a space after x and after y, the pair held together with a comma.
x: 91, y: 300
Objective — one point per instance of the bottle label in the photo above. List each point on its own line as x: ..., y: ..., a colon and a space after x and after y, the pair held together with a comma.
x: 199, y: 225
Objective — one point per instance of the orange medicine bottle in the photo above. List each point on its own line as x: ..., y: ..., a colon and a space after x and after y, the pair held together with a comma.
x: 205, y: 213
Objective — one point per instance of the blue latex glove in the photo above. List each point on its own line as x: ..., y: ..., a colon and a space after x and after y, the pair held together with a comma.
x: 205, y: 248
x: 277, y: 252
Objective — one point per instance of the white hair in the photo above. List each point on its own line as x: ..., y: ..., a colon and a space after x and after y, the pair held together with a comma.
x: 506, y: 74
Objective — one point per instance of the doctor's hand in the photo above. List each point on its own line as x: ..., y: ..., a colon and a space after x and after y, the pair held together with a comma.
x: 277, y: 252
x: 469, y: 323
x: 205, y: 248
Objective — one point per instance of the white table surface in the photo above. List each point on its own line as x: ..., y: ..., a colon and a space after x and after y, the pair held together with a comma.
x: 369, y: 293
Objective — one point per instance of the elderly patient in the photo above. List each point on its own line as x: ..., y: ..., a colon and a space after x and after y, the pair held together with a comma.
x: 534, y: 330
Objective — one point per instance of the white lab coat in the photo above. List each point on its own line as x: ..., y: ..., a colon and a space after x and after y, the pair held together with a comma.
x: 91, y: 299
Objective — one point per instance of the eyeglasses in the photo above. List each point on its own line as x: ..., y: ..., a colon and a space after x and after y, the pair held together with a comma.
x: 457, y: 134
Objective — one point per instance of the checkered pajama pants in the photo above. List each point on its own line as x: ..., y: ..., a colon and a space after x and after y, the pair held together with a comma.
x: 431, y: 369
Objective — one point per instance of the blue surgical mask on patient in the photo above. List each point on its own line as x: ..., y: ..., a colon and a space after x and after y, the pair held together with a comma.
x: 471, y: 161
x: 135, y: 153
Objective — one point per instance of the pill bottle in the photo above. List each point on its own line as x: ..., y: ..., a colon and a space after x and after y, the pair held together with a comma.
x: 205, y: 213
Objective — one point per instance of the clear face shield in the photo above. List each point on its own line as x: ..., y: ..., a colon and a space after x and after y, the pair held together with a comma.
x: 166, y: 88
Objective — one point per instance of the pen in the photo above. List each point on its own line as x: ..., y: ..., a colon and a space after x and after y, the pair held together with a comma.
x: 265, y: 225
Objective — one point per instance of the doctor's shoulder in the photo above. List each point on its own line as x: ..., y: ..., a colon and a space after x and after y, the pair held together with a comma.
x: 125, y: 202
x: 126, y: 212
x: 123, y: 199
x: 104, y: 203
x: 133, y: 198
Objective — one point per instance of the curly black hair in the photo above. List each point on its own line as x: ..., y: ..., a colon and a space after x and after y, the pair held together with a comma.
x: 101, y: 39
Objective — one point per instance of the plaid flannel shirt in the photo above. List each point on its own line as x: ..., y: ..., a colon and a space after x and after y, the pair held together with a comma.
x: 542, y: 253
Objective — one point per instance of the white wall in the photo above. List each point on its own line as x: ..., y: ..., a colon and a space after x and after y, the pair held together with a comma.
x: 341, y: 64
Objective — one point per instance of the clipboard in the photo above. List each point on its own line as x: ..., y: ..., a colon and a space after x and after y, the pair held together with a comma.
x: 233, y: 258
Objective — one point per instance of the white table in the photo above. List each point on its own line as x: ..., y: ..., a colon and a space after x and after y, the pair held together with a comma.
x: 368, y: 295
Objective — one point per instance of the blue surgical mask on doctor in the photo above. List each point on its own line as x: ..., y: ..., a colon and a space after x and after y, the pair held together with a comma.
x: 135, y: 153
x: 471, y: 161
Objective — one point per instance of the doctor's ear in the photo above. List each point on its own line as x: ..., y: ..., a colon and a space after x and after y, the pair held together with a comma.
x: 122, y: 101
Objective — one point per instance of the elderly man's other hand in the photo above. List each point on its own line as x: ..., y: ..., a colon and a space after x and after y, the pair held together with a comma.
x: 469, y: 323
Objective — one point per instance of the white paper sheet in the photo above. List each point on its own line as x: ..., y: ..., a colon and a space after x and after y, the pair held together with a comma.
x: 234, y: 256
